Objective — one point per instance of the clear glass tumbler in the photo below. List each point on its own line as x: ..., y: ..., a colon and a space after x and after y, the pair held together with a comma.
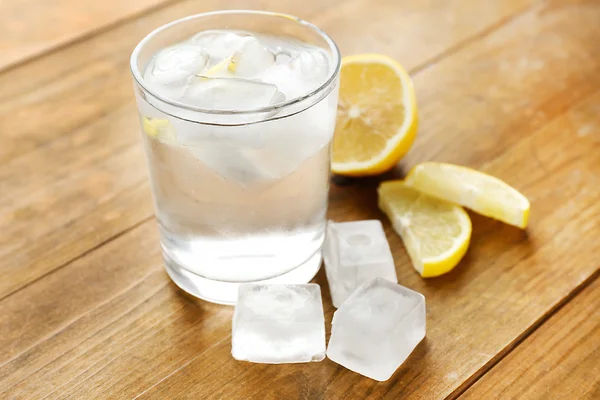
x: 244, y: 197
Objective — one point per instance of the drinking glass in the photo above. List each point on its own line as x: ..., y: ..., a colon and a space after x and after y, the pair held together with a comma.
x: 239, y: 195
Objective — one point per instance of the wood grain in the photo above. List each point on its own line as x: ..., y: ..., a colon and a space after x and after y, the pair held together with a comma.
x: 30, y: 28
x: 403, y: 29
x: 53, y: 129
x: 88, y: 312
x: 558, y: 361
x: 92, y: 331
x: 476, y: 314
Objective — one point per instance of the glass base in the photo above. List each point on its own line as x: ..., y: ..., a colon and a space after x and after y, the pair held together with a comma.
x: 226, y: 292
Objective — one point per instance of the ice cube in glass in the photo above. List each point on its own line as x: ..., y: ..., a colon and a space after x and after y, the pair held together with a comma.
x: 251, y: 59
x: 231, y: 93
x: 172, y: 67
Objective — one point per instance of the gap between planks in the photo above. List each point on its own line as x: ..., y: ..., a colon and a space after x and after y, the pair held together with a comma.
x: 487, y: 367
x: 472, y: 39
x: 87, y: 35
x: 84, y: 253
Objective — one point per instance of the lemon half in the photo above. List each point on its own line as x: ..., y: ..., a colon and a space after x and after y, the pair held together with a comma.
x: 377, y: 116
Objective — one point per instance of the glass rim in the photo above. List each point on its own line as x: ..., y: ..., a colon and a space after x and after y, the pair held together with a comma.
x: 337, y: 59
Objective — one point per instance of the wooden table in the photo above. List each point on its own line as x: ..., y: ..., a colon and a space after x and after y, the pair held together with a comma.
x: 511, y: 87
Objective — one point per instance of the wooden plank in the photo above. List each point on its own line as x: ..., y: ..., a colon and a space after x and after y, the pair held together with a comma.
x: 81, y: 199
x: 71, y: 113
x: 507, y: 283
x: 558, y: 361
x: 520, y: 81
x: 415, y: 32
x: 115, y: 304
x: 30, y: 28
x: 109, y: 191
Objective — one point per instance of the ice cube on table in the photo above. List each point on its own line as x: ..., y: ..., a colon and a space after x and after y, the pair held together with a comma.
x: 278, y: 324
x: 377, y: 328
x: 354, y: 253
x: 232, y: 94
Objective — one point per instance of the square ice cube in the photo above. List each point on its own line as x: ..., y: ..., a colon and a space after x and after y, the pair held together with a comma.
x: 220, y: 44
x: 354, y: 253
x: 234, y: 94
x: 251, y: 58
x: 278, y: 324
x: 171, y: 68
x: 377, y: 328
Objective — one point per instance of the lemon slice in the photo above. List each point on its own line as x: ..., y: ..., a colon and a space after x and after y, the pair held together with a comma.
x: 436, y: 233
x: 377, y: 116
x: 480, y: 192
x: 224, y: 68
x: 158, y: 128
x: 247, y: 60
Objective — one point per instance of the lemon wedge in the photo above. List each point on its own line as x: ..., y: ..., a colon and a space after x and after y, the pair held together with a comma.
x: 224, y: 68
x: 158, y: 128
x: 436, y: 233
x: 476, y: 190
x: 377, y: 116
